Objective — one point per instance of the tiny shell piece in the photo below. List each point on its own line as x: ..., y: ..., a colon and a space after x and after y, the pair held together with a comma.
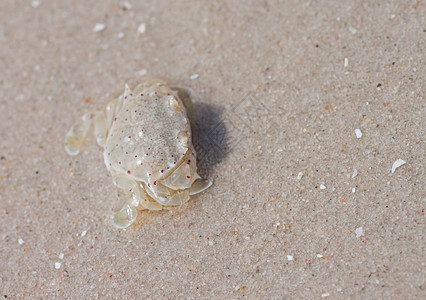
x: 146, y: 138
x: 358, y: 133
x: 399, y: 162
x: 359, y: 231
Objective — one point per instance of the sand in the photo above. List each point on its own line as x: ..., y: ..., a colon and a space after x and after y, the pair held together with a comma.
x: 299, y: 111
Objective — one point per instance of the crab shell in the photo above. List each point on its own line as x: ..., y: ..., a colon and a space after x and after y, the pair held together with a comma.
x: 146, y: 138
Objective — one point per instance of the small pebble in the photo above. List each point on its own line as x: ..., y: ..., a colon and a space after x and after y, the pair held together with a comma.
x: 61, y: 256
x: 142, y: 28
x: 84, y: 233
x: 299, y: 176
x: 142, y: 72
x: 346, y: 62
x: 99, y: 27
x: 323, y: 187
x: 194, y: 76
x: 57, y: 265
x: 126, y: 5
x: 35, y: 3
x: 20, y: 241
x: 354, y: 173
x: 289, y: 257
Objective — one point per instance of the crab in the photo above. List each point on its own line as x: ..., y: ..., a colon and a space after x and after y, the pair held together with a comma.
x: 146, y: 139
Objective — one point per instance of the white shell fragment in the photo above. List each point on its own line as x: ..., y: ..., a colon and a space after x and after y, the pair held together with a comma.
x: 146, y: 137
x: 359, y: 231
x: 142, y: 28
x: 99, y: 27
x: 399, y: 162
x: 358, y: 133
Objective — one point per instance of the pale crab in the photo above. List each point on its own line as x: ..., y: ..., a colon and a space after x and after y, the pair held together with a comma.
x: 146, y: 137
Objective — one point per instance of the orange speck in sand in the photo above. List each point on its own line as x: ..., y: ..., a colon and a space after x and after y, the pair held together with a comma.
x: 87, y: 100
x: 326, y: 107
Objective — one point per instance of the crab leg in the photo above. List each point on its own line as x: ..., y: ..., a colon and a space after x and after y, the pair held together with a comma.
x: 77, y: 134
x: 200, y: 185
x: 101, y: 130
x: 132, y: 196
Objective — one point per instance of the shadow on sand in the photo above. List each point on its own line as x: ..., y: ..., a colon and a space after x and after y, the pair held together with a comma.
x: 209, y: 132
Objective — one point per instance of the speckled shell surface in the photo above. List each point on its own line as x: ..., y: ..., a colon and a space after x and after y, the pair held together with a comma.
x: 146, y: 138
x: 150, y: 136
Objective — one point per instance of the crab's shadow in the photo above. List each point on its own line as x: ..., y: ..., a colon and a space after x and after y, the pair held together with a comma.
x: 209, y: 132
